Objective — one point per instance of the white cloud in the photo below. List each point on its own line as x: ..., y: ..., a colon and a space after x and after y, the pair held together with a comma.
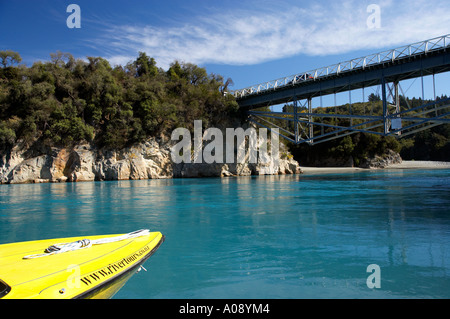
x: 254, y: 36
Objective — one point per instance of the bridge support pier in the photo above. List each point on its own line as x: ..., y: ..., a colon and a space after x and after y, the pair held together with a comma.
x: 385, y: 108
x: 396, y: 123
x: 311, y: 121
x: 296, y: 136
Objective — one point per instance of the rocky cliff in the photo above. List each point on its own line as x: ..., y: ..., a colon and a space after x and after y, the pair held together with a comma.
x: 382, y: 161
x: 372, y: 162
x: 147, y: 160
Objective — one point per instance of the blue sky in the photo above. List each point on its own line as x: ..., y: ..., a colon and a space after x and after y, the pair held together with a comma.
x: 249, y: 41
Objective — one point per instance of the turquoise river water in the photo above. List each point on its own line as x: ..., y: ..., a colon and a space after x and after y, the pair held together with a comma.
x: 304, y: 236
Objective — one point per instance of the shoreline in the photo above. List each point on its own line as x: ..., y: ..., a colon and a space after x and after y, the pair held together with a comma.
x: 403, y: 165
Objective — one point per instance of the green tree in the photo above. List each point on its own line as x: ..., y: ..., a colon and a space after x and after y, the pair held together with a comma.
x: 374, y: 98
x: 8, y: 58
x: 145, y: 65
x: 7, y: 134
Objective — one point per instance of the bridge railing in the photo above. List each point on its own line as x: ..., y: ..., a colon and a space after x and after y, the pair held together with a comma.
x: 410, y: 50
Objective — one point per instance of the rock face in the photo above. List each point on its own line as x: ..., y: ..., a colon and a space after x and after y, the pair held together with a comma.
x: 388, y: 159
x: 373, y: 162
x: 148, y: 160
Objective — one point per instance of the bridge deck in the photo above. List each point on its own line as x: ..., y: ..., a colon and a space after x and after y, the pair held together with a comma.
x: 425, y: 58
x: 429, y: 57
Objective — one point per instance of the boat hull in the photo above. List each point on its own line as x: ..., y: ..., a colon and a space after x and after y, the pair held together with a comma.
x: 95, y: 272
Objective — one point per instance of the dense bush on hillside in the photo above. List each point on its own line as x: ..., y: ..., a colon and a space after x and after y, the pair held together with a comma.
x: 67, y: 101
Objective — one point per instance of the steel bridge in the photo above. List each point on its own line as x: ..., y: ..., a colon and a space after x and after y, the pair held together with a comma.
x: 300, y: 122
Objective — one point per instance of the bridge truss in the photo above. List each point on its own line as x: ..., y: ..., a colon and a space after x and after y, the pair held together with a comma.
x: 299, y: 122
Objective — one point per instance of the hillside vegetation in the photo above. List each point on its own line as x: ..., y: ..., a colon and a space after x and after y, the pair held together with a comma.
x: 67, y: 101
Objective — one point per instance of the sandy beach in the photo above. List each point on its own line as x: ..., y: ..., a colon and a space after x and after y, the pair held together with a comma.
x: 403, y: 165
x: 421, y: 164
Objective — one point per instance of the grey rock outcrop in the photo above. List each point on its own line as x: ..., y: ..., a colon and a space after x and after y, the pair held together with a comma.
x: 148, y: 160
x: 384, y: 161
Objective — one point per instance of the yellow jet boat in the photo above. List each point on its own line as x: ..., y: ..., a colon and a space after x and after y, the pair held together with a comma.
x: 77, y: 267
